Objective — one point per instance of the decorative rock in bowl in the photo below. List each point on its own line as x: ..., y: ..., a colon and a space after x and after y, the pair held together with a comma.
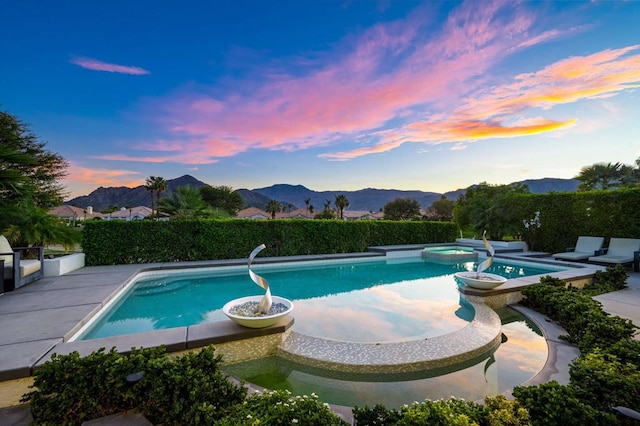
x: 482, y: 281
x: 244, y: 311
x: 258, y: 311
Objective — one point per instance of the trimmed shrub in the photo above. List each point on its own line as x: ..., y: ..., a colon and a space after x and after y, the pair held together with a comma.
x: 552, y: 404
x: 189, y: 389
x: 607, y: 373
x: 496, y: 411
x: 281, y: 408
x: 615, y: 383
x: 588, y: 325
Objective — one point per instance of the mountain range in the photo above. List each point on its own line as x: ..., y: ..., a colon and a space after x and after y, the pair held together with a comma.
x: 292, y: 197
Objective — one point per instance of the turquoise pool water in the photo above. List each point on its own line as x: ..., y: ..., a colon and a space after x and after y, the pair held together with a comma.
x: 363, y: 301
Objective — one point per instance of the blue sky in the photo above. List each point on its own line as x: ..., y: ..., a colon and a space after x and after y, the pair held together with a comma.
x: 333, y: 95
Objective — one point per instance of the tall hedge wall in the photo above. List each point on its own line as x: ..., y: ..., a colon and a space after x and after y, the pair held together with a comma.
x: 566, y: 216
x: 120, y: 242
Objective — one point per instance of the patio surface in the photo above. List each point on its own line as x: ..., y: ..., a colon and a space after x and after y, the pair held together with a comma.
x: 41, y: 315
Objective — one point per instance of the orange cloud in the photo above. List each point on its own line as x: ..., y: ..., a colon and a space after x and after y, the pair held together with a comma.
x: 78, y: 176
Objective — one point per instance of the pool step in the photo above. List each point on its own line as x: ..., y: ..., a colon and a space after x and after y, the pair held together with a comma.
x: 481, y: 336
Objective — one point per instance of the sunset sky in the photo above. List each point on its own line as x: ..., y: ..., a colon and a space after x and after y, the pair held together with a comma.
x: 333, y: 95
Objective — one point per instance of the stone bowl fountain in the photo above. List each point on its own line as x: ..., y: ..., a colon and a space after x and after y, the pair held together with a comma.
x: 479, y: 279
x: 243, y: 311
x: 484, y: 281
x: 258, y: 311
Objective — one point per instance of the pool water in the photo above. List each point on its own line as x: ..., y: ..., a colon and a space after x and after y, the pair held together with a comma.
x: 360, y: 301
x: 520, y: 356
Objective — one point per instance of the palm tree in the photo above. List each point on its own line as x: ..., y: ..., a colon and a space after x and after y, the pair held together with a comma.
x: 631, y: 177
x: 342, y: 202
x: 160, y: 186
x: 150, y: 186
x: 308, y: 200
x: 273, y: 207
x: 185, y: 203
x: 35, y: 227
x: 601, y: 176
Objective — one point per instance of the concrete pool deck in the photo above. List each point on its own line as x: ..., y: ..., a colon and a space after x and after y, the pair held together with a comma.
x: 63, y: 303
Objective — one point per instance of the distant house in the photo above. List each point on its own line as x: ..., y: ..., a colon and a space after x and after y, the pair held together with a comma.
x: 256, y: 213
x: 133, y: 213
x: 74, y: 214
x: 253, y: 213
x: 295, y: 214
x: 361, y: 215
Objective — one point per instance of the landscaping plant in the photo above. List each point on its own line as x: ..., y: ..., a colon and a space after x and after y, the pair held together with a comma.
x: 281, y: 408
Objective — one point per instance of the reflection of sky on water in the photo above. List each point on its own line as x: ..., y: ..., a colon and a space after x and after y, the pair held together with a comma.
x: 401, y: 311
x: 367, y: 301
x: 516, y: 361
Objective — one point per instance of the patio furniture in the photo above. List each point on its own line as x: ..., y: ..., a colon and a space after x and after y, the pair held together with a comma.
x: 584, y: 249
x: 621, y: 251
x: 18, y: 272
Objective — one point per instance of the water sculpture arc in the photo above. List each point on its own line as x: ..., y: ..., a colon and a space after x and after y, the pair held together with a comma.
x: 489, y: 260
x: 265, y: 304
x: 482, y: 281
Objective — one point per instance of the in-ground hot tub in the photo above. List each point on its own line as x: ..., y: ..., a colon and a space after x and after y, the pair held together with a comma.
x: 452, y: 253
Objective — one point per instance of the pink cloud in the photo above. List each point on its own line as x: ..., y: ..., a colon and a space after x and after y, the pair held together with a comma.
x: 396, y: 83
x: 78, y: 175
x: 96, y: 65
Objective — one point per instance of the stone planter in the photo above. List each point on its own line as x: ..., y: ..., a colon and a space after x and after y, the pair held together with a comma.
x: 63, y: 264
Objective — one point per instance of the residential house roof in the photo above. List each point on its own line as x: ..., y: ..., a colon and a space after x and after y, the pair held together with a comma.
x: 71, y: 212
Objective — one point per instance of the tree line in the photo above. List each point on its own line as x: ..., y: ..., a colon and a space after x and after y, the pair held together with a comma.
x: 31, y: 175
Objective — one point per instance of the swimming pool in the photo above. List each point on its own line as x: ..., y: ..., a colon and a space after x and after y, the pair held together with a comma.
x: 374, y: 300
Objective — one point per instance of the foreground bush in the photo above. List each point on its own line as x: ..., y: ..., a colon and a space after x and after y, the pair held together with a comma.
x: 281, y: 408
x: 606, y: 374
x: 496, y: 411
x: 552, y: 404
x: 588, y: 325
x: 189, y: 389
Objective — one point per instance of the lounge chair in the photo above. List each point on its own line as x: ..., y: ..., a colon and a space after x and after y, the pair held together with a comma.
x: 585, y: 248
x: 18, y: 272
x: 620, y: 251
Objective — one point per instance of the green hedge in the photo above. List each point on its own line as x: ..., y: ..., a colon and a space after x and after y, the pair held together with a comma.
x: 566, y: 216
x: 120, y: 242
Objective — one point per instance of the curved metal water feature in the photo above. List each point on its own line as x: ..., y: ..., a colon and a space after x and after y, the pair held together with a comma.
x: 241, y: 310
x: 484, y: 281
